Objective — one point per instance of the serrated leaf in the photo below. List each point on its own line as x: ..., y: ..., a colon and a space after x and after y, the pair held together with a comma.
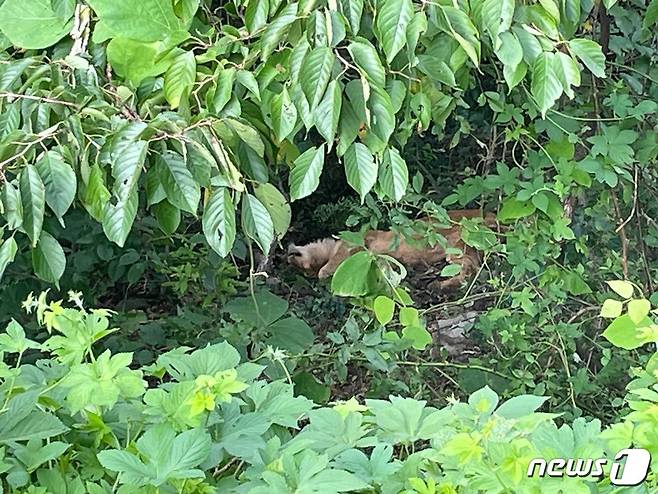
x: 219, y: 222
x: 589, y: 52
x: 360, y: 169
x: 179, y: 78
x: 179, y: 184
x: 59, y: 181
x: 394, y: 175
x: 315, y: 73
x: 8, y: 250
x: 367, y: 59
x: 276, y: 205
x: 622, y: 288
x: 276, y: 28
x: 392, y: 19
x: 327, y: 113
x: 257, y: 222
x: 48, y: 258
x: 546, y: 87
x: 33, y: 202
x: 304, y: 177
x: 284, y: 115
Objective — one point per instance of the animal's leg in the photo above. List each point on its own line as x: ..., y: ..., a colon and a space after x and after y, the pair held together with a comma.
x: 330, y: 267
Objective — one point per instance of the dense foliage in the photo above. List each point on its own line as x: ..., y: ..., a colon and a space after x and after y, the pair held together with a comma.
x: 155, y: 154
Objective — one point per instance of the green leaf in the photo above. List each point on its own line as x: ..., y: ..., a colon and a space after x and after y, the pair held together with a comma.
x: 257, y: 223
x: 255, y: 16
x: 59, y: 181
x: 276, y: 205
x: 392, y: 19
x: 224, y: 88
x: 95, y: 194
x: 8, y: 250
x: 291, y: 334
x: 638, y: 309
x: 611, y: 308
x: 651, y: 14
x: 118, y: 217
x: 34, y: 24
x: 589, y: 52
x: 520, y: 406
x: 284, y: 115
x: 510, y: 51
x: 622, y: 288
x: 394, y: 175
x: 497, y: 18
x: 178, y: 182
x: 327, y: 113
x: 360, y: 169
x: 457, y: 23
x: 437, y: 69
x: 546, y: 87
x: 33, y: 201
x: 304, y: 177
x: 384, y: 308
x: 352, y: 10
x: 247, y: 79
x: 352, y: 278
x: 418, y: 335
x: 11, y: 203
x: 513, y: 209
x: 626, y: 334
x: 367, y: 59
x: 179, y: 78
x: 450, y: 270
x: 276, y: 28
x: 136, y: 60
x: 567, y: 72
x: 48, y: 258
x: 315, y: 73
x: 219, y: 222
x: 168, y: 216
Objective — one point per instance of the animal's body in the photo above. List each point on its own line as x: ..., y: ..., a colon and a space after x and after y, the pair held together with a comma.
x: 322, y: 258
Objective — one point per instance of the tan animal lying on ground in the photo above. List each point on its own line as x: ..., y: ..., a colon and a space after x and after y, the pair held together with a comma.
x: 322, y: 258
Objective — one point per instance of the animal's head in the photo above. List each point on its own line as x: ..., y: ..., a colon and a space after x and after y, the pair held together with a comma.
x: 300, y: 257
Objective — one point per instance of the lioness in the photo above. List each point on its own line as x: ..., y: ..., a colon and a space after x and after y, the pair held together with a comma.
x: 321, y: 258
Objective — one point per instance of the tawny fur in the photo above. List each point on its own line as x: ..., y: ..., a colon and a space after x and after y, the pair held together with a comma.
x: 322, y: 257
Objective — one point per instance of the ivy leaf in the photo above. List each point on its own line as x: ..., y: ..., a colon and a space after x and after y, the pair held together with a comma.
x: 178, y: 182
x: 284, y: 114
x: 392, y: 19
x: 276, y: 28
x: 589, y: 52
x: 219, y: 222
x: 257, y: 222
x: 33, y: 201
x: 276, y: 205
x: 59, y: 182
x: 34, y: 24
x: 360, y: 169
x: 315, y: 73
x: 48, y: 259
x: 394, y: 175
x: 418, y: 335
x: 179, y: 78
x: 327, y: 113
x: 8, y: 250
x: 546, y: 87
x: 304, y: 177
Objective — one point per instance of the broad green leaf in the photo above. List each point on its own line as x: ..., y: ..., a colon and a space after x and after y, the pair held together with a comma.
x: 394, y: 175
x: 352, y: 10
x: 127, y: 156
x: 457, y: 23
x: 567, y: 72
x: 514, y: 76
x: 257, y: 223
x: 589, y: 52
x: 8, y: 250
x: 224, y: 88
x: 513, y: 209
x: 612, y: 308
x: 33, y: 201
x: 95, y: 194
x: 436, y: 69
x: 510, y: 51
x: 367, y: 59
x: 360, y: 169
x: 33, y: 24
x: 315, y: 73
x: 276, y: 28
x: 546, y: 87
x: 384, y: 308
x: 255, y: 16
x: 392, y: 19
x: 118, y: 217
x: 416, y: 27
x: 622, y: 288
x: 136, y: 60
x: 638, y: 309
x: 247, y: 79
x: 219, y: 221
x: 626, y: 334
x: 418, y: 335
x: 179, y: 78
x: 276, y: 205
x: 327, y: 113
x: 450, y: 270
x: 497, y: 18
x: 48, y: 258
x: 531, y: 46
x: 304, y: 177
x: 11, y: 203
x: 168, y: 216
x: 383, y: 118
x: 520, y: 406
x: 284, y: 115
x: 178, y: 182
x: 352, y: 277
x: 291, y: 334
x: 651, y: 14
x: 59, y: 181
